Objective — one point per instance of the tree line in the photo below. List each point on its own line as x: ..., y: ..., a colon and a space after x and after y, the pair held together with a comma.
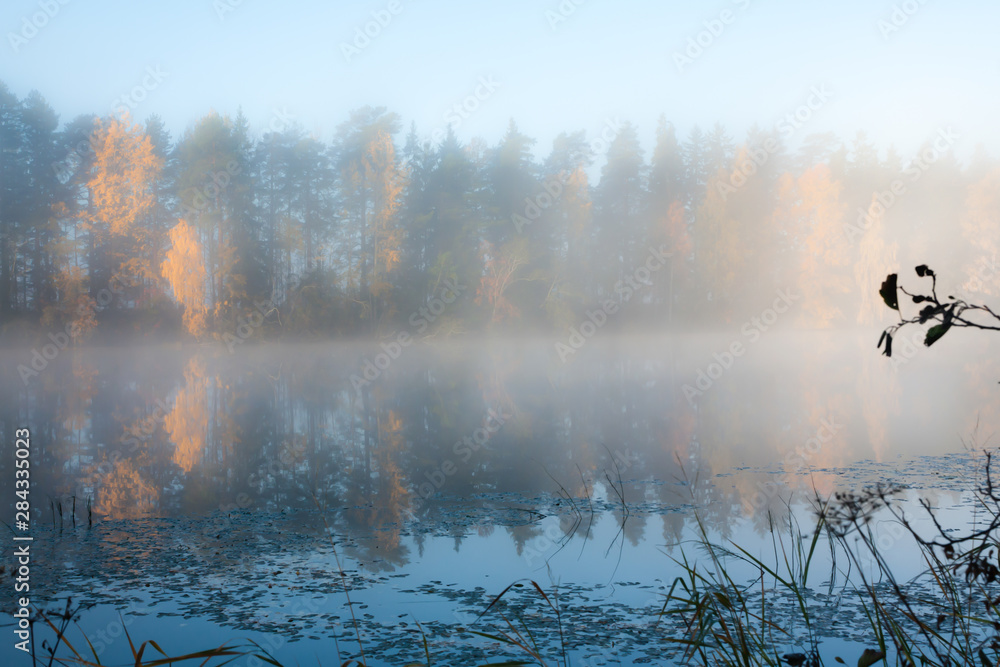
x: 110, y: 224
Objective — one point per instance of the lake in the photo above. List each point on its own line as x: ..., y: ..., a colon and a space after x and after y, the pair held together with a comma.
x: 308, y: 496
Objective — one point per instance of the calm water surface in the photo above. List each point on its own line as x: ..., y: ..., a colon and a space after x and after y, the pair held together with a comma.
x: 216, y: 491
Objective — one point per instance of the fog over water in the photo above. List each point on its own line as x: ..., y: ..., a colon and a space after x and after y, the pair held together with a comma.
x: 461, y: 466
x: 323, y: 325
x: 182, y: 430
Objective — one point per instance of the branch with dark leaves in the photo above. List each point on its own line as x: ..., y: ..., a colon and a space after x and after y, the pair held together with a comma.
x: 946, y: 314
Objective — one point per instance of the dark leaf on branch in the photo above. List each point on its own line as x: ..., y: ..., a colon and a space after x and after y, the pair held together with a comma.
x: 920, y: 299
x: 930, y: 311
x: 935, y: 333
x: 888, y: 292
x: 922, y: 271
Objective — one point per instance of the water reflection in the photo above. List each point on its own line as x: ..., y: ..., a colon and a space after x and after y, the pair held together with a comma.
x: 459, y: 469
x: 187, y: 431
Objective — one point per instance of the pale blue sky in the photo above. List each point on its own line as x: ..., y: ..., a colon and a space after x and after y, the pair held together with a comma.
x: 606, y: 59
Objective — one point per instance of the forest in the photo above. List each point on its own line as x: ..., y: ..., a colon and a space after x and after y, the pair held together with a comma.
x: 112, y: 227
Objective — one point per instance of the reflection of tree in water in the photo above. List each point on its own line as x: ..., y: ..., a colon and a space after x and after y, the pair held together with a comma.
x: 273, y: 425
x: 381, y: 503
x: 125, y: 493
x: 74, y: 423
x: 503, y: 363
x: 632, y: 525
x: 120, y: 415
x: 187, y: 422
x: 522, y: 534
x: 202, y: 426
x: 377, y: 498
x: 77, y: 406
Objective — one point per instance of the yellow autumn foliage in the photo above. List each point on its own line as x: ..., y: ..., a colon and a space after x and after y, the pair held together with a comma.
x: 123, y: 198
x: 184, y: 270
x: 125, y: 169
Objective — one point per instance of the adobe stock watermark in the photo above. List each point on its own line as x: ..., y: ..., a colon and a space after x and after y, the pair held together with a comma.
x: 904, y: 349
x: 625, y: 288
x: 752, y: 330
x: 31, y: 25
x: 552, y: 188
x: 66, y: 167
x: 260, y: 479
x: 246, y: 325
x: 60, y: 340
x: 132, y: 438
x: 463, y: 449
x: 102, y: 638
x: 280, y: 120
x: 146, y: 427
x: 704, y: 39
x: 121, y: 105
x: 461, y: 111
x: 794, y: 120
x: 757, y: 157
x: 130, y: 100
x: 552, y: 536
x: 364, y: 34
x: 899, y: 16
x: 214, y: 185
x: 271, y: 642
x: 884, y: 200
x: 562, y: 13
x: 984, y: 273
x: 40, y: 360
x: 795, y: 460
x: 264, y: 475
x: 372, y: 368
x: 223, y: 7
